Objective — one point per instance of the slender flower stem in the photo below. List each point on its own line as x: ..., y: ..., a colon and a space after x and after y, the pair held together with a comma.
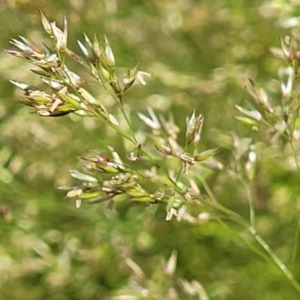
x: 257, y: 237
x: 296, y: 244
x: 217, y: 205
x: 278, y: 262
x: 178, y: 175
x: 250, y: 246
x: 116, y: 128
x: 250, y: 201
x: 290, y: 138
x: 128, y: 121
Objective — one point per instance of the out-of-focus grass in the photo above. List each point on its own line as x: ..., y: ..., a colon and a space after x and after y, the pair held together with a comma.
x: 200, y: 56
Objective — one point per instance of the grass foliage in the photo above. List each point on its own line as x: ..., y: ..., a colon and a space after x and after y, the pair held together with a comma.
x: 188, y: 192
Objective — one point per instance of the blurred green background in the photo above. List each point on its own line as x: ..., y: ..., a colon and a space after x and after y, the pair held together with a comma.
x: 200, y: 54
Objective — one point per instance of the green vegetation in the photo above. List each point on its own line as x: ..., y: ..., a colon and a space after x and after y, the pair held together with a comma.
x: 185, y: 186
